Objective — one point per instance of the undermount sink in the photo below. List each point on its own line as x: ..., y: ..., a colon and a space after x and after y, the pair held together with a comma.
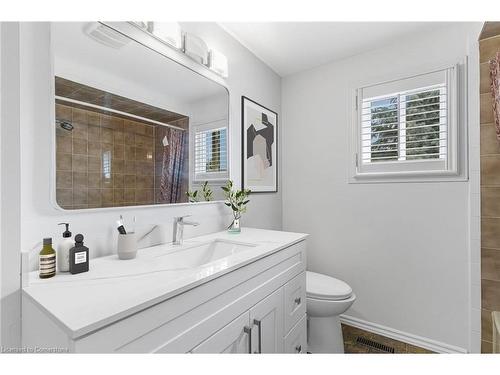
x: 196, y: 255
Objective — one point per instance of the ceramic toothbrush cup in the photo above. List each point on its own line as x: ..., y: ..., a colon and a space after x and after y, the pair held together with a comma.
x: 127, y: 246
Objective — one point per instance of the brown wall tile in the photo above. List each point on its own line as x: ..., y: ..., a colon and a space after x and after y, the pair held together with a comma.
x: 64, y: 180
x: 94, y: 164
x: 64, y: 162
x: 490, y: 170
x: 94, y: 134
x: 118, y: 137
x: 490, y: 202
x: 118, y: 195
x: 486, y: 109
x: 63, y: 112
x: 129, y: 195
x: 80, y: 196
x: 107, y: 196
x: 118, y: 151
x: 106, y: 135
x: 490, y: 295
x: 489, y: 142
x: 64, y: 197
x: 490, y: 264
x: 93, y: 119
x: 79, y: 116
x: 94, y: 148
x: 64, y: 145
x: 80, y: 146
x: 118, y: 166
x: 488, y: 48
x: 484, y: 81
x: 486, y: 347
x: 118, y: 181
x: 94, y: 180
x: 80, y: 180
x: 489, y: 233
x: 94, y: 197
x: 129, y: 181
x: 80, y: 163
x: 80, y: 131
x: 486, y: 325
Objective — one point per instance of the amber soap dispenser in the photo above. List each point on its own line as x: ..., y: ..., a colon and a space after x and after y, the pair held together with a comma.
x: 78, y: 256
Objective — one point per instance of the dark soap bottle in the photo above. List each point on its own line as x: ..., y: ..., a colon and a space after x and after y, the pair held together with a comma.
x: 78, y: 256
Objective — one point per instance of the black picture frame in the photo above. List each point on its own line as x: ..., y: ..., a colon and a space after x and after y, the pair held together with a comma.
x: 275, y: 158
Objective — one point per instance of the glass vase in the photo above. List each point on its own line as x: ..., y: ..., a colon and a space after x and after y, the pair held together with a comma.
x: 235, y: 226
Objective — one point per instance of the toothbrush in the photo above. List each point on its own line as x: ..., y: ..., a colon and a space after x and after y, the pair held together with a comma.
x: 120, y: 227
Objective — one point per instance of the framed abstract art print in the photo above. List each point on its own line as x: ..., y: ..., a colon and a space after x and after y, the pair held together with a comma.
x: 259, y: 147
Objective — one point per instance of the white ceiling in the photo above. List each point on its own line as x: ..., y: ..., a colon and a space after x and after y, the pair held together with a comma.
x: 291, y: 47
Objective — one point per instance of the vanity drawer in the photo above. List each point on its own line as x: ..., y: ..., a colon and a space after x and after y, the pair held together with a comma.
x: 295, y: 300
x: 296, y: 340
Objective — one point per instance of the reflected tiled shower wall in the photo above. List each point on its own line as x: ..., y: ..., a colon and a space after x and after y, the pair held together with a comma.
x: 490, y: 199
x: 105, y: 161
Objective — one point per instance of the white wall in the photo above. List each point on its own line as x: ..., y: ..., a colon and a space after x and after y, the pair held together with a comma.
x: 10, y: 309
x: 403, y: 247
x: 248, y: 76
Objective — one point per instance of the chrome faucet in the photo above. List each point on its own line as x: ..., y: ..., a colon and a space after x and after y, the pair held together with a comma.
x: 179, y: 223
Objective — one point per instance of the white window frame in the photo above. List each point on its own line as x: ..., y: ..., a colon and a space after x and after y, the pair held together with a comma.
x: 198, y: 178
x: 454, y: 168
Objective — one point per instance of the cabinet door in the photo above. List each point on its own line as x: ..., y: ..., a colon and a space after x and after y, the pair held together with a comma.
x: 267, y: 320
x: 233, y: 338
x: 296, y: 340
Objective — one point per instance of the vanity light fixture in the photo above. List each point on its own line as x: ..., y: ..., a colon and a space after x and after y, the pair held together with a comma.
x: 196, y: 48
x: 105, y: 35
x: 169, y: 32
x: 218, y: 63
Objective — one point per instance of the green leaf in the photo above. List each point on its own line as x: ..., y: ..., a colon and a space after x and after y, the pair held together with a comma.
x: 234, y: 207
x: 227, y: 204
x: 245, y: 202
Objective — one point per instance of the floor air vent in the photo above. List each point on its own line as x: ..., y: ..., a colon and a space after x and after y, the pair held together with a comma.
x: 374, y: 345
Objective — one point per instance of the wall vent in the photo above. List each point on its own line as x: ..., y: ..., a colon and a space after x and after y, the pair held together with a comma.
x: 374, y: 345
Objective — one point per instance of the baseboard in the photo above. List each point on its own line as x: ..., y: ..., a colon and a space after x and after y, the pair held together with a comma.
x: 423, y: 342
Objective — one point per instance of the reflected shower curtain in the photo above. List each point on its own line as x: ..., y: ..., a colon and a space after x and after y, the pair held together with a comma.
x: 495, y: 90
x: 172, y: 166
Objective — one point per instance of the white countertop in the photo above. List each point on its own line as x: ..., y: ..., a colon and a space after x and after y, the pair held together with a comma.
x: 114, y: 289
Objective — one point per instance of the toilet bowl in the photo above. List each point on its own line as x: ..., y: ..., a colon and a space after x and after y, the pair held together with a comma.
x: 327, y: 298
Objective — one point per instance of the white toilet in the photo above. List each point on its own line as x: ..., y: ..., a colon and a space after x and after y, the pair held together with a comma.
x: 327, y: 298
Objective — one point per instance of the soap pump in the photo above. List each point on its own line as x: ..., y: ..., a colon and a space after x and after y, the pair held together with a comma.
x: 79, y: 256
x: 63, y: 248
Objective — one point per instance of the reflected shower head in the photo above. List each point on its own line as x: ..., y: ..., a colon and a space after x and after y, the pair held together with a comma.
x: 66, y: 125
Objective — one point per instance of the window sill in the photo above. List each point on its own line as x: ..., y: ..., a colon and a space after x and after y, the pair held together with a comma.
x: 407, y: 177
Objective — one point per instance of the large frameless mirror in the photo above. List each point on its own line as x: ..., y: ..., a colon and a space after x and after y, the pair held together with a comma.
x: 132, y: 126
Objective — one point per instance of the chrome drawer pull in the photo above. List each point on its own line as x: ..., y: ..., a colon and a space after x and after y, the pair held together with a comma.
x: 298, y: 348
x: 248, y: 331
x: 258, y: 323
x: 298, y: 300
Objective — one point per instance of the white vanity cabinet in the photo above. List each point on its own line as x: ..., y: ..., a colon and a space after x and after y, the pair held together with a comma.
x: 257, y: 307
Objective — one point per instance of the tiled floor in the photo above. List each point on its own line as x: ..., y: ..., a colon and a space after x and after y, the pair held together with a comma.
x: 351, y: 344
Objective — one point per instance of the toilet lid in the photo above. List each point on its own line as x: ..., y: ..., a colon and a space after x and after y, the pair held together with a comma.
x: 321, y: 286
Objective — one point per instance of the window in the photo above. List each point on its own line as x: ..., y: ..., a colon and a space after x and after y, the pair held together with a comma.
x: 407, y: 127
x: 210, y: 153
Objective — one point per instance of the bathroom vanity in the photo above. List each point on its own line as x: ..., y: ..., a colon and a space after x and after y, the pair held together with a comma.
x: 218, y: 293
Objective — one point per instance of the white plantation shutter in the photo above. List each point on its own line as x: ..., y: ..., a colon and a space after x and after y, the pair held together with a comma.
x: 210, y: 153
x: 407, y: 126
